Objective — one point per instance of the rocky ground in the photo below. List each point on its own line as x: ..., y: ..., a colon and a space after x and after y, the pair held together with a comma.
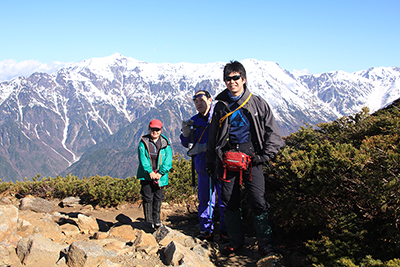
x: 184, y: 219
x: 84, y: 227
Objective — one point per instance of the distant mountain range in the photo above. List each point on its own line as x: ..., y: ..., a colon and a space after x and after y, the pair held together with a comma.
x: 87, y: 119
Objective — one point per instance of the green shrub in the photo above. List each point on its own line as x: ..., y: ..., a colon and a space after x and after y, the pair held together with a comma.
x: 180, y: 182
x: 339, y: 188
x: 104, y: 190
x: 107, y: 191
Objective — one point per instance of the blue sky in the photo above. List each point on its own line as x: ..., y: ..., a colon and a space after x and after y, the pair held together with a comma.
x: 318, y: 36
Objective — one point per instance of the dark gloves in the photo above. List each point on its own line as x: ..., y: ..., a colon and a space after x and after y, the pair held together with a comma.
x: 257, y: 160
x: 210, y: 168
x: 198, y: 148
x: 186, y: 128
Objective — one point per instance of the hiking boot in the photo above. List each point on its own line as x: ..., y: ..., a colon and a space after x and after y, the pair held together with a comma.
x: 206, y: 236
x: 156, y: 214
x: 223, y: 237
x: 228, y: 249
x: 265, y: 250
x: 148, y: 212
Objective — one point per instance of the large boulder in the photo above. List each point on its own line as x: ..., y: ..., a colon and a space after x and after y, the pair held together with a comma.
x: 37, y: 248
x: 71, y: 202
x: 69, y: 230
x: 36, y: 204
x: 117, y: 246
x: 87, y: 224
x: 126, y: 232
x: 164, y: 235
x: 176, y: 254
x: 85, y: 254
x: 145, y: 242
x: 8, y: 255
x: 42, y: 223
x: 8, y: 224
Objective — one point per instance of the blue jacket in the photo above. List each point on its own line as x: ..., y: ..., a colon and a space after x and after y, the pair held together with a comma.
x: 202, y: 124
x: 164, y: 160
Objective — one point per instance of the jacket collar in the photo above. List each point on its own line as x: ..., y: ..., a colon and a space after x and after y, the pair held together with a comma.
x: 164, y: 141
x: 223, y: 96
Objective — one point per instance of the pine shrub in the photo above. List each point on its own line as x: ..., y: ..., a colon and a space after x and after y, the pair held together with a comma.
x: 105, y: 190
x: 180, y: 188
x: 339, y: 188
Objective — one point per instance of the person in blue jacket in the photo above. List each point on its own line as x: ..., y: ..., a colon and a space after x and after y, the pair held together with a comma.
x: 155, y: 161
x: 195, y: 131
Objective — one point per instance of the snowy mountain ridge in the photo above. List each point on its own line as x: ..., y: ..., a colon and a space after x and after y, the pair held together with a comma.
x: 82, y: 107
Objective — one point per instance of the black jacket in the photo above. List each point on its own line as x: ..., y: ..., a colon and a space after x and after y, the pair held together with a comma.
x: 267, y: 131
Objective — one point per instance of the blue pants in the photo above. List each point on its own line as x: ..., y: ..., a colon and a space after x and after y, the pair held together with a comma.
x: 206, y: 222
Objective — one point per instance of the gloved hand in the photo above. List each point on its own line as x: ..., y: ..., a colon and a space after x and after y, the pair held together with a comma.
x: 197, y: 149
x: 257, y: 159
x: 210, y: 168
x: 186, y: 125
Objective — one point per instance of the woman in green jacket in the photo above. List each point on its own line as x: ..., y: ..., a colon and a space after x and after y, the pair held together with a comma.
x: 155, y: 161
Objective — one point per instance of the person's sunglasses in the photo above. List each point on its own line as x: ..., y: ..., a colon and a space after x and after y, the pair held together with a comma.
x: 229, y: 78
x: 155, y: 129
x: 198, y: 96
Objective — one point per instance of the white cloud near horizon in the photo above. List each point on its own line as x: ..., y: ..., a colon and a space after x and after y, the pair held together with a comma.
x: 10, y: 68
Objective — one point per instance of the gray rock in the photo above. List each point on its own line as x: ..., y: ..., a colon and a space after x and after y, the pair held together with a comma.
x: 5, y: 255
x: 271, y: 260
x: 108, y: 263
x: 164, y: 235
x: 37, y: 248
x: 85, y: 254
x: 42, y: 223
x: 71, y: 202
x: 172, y: 255
x: 87, y: 224
x: 37, y: 205
x: 8, y: 224
x: 177, y: 254
x: 5, y: 200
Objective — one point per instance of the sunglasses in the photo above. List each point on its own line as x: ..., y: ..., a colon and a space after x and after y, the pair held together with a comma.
x: 199, y: 96
x: 155, y: 129
x: 229, y: 78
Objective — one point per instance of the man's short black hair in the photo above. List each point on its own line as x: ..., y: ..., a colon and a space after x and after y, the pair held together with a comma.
x: 234, y: 66
x: 208, y: 95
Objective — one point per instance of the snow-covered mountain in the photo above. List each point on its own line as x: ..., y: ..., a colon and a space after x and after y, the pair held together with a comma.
x: 98, y: 108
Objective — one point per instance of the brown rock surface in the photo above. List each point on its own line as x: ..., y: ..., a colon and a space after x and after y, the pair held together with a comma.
x: 122, y: 238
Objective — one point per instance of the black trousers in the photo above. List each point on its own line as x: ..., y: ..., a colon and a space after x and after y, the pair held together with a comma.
x: 255, y: 188
x: 151, y: 192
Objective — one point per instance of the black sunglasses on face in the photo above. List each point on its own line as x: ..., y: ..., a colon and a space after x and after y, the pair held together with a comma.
x: 229, y: 78
x: 198, y: 96
x: 155, y: 129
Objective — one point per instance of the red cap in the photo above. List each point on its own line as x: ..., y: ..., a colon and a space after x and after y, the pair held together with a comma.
x: 155, y: 124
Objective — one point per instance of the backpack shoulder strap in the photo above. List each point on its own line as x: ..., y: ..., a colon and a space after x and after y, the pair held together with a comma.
x: 230, y: 113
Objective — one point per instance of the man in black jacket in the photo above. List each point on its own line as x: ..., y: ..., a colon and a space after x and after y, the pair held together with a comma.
x: 243, y: 122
